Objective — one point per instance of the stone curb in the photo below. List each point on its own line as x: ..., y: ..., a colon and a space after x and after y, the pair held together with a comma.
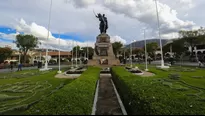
x: 95, y: 99
x: 119, y: 100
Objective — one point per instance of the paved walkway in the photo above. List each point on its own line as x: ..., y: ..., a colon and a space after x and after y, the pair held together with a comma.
x: 107, y: 103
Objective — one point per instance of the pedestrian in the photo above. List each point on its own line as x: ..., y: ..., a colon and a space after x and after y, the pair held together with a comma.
x: 20, y: 67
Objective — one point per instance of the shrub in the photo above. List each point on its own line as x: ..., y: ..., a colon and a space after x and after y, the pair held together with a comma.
x: 174, y: 76
x: 74, y: 99
x: 152, y: 96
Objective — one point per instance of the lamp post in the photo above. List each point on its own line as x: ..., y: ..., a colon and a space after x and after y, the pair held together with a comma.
x: 145, y: 42
x: 46, y: 63
x: 162, y: 60
x: 59, y: 61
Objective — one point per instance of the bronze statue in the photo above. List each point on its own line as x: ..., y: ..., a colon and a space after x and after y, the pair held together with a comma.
x: 103, y: 23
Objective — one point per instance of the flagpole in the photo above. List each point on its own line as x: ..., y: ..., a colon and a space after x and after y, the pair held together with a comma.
x: 46, y: 63
x: 59, y: 71
x: 76, y: 55
x: 145, y: 52
x: 72, y: 53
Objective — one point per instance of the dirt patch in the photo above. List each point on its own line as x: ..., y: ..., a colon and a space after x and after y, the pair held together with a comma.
x: 147, y: 74
x: 67, y: 76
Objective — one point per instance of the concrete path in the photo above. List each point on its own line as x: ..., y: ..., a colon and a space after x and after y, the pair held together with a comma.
x: 107, y: 103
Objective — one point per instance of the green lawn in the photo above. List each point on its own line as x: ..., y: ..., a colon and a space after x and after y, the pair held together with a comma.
x: 162, y: 93
x: 19, y: 90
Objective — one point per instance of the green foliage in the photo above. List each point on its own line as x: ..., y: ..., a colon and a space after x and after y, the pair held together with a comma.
x: 74, y: 99
x: 193, y: 37
x: 5, y: 53
x: 116, y: 47
x: 152, y: 48
x: 25, y: 43
x: 178, y: 47
x: 174, y: 76
x: 159, y: 95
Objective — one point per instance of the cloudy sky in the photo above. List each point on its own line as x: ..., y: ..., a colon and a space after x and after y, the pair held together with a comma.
x: 74, y: 20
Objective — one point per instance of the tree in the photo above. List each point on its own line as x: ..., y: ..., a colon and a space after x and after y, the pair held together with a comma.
x: 152, y: 48
x: 193, y: 37
x: 178, y: 47
x: 116, y: 47
x: 25, y: 43
x: 138, y: 52
x: 74, y: 51
x: 90, y: 51
x: 5, y: 53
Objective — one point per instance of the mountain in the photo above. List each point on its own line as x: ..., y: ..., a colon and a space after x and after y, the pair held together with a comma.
x: 140, y: 43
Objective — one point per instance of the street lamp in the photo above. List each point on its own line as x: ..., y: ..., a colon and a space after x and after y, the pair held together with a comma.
x: 162, y: 60
x: 145, y: 42
x: 46, y: 63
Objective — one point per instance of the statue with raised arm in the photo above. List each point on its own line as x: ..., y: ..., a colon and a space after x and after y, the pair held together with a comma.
x: 103, y: 23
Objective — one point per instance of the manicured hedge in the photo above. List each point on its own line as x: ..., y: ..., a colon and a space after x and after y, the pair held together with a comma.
x: 75, y: 98
x: 150, y: 95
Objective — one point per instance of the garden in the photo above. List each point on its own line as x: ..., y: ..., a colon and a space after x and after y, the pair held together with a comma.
x: 174, y: 91
x: 20, y: 90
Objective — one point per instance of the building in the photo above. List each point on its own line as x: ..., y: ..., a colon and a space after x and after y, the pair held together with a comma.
x: 37, y: 55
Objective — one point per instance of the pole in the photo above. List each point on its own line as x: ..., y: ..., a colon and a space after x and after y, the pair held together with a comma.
x: 87, y: 52
x: 131, y: 54
x: 72, y: 54
x: 124, y: 53
x: 145, y: 52
x: 76, y: 55
x: 59, y: 71
x: 162, y: 60
x: 46, y: 64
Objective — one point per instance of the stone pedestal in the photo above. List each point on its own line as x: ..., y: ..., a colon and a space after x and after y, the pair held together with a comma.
x: 103, y: 52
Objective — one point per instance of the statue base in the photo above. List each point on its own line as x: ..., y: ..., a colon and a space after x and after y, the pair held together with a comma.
x: 103, y: 53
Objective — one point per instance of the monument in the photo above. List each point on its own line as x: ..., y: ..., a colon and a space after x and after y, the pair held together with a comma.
x: 103, y: 51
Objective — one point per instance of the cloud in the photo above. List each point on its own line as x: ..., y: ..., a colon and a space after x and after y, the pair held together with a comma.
x: 117, y: 39
x: 52, y: 42
x: 82, y: 3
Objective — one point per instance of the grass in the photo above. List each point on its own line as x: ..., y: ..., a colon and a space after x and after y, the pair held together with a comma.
x: 18, y: 94
x: 75, y: 98
x: 160, y: 95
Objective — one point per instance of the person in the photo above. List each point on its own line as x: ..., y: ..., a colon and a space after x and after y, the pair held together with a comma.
x: 20, y: 67
x: 11, y: 65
